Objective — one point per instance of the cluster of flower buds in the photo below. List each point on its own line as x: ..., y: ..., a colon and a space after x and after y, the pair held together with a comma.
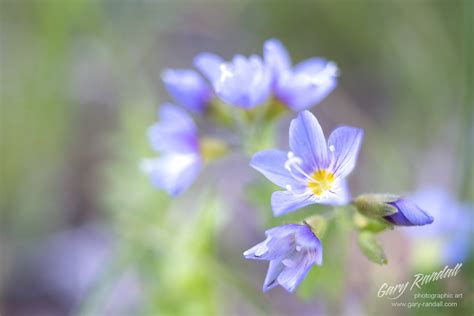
x: 312, y: 171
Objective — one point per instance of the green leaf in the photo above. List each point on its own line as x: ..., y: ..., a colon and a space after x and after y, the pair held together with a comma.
x: 371, y: 248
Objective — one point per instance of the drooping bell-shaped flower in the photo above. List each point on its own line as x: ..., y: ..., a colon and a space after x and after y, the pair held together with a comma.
x: 292, y: 250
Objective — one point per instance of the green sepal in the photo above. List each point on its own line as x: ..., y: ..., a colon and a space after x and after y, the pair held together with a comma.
x: 371, y: 248
x: 370, y: 224
x: 275, y: 109
x: 376, y: 205
x: 318, y: 225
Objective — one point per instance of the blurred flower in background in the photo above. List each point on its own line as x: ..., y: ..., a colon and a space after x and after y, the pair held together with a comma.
x: 451, y: 231
x: 304, y: 86
x: 175, y: 136
x: 243, y: 82
x: 188, y: 88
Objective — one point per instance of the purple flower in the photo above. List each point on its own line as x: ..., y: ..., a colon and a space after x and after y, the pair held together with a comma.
x: 175, y: 137
x: 292, y: 250
x: 209, y: 65
x: 452, y: 225
x: 188, y: 88
x: 408, y: 214
x: 303, y: 86
x: 313, y: 171
x: 244, y: 82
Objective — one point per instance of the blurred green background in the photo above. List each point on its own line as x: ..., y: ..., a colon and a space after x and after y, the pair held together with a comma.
x: 84, y: 233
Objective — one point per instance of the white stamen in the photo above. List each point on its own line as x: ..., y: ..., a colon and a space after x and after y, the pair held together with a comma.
x: 293, y: 165
x: 298, y: 248
x: 303, y: 193
x: 294, y: 162
x: 332, y: 148
x: 225, y: 72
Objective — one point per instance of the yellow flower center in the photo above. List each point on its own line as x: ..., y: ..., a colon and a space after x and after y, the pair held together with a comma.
x: 212, y: 148
x: 321, y: 181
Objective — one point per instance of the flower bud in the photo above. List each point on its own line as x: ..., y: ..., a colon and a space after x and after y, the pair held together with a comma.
x: 393, y: 209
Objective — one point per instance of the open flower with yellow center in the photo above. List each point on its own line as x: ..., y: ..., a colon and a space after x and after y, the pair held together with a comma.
x: 313, y: 171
